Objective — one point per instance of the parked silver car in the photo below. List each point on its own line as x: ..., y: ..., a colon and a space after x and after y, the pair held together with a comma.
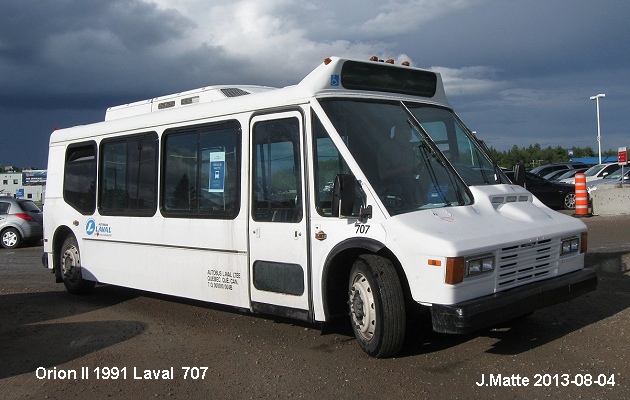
x: 598, y: 171
x: 21, y: 221
x: 611, y: 179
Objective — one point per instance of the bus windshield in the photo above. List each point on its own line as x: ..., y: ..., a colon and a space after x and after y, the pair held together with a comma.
x: 412, y: 166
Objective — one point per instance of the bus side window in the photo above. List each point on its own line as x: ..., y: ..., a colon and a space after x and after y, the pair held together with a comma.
x: 128, y: 177
x: 79, y: 177
x: 201, y: 171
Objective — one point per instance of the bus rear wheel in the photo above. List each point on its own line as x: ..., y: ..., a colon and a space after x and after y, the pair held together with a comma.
x: 377, y: 306
x: 70, y: 265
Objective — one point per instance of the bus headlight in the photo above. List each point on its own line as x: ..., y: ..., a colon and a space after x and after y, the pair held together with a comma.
x: 479, y: 265
x: 570, y: 245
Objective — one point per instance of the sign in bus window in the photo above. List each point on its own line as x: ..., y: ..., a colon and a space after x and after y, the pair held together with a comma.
x: 216, y: 170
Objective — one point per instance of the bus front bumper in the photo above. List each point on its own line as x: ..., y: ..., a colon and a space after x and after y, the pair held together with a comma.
x: 497, y: 308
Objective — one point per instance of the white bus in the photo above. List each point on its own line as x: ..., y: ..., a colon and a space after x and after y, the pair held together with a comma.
x: 357, y: 191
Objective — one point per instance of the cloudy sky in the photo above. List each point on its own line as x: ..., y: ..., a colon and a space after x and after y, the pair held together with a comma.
x: 518, y: 72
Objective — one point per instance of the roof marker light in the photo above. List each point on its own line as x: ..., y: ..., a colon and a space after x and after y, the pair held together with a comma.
x: 390, y: 61
x: 327, y: 61
x: 406, y: 63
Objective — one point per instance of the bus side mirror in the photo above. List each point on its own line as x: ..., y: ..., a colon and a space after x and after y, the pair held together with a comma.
x: 343, y: 195
x: 519, y: 174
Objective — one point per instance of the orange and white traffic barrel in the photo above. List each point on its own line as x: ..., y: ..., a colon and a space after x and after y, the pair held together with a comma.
x: 581, y: 196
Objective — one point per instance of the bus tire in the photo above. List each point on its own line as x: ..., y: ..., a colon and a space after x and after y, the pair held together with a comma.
x: 70, y: 267
x: 377, y: 306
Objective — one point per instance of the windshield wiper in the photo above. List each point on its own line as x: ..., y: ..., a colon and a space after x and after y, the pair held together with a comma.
x: 435, y: 152
x: 425, y: 150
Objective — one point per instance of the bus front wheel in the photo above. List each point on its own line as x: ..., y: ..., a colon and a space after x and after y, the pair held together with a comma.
x: 70, y: 265
x: 377, y: 306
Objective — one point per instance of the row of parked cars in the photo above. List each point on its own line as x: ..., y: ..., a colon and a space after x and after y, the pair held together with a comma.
x: 554, y: 184
x: 21, y: 222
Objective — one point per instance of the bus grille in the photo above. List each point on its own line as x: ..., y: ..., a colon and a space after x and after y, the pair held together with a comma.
x: 528, y: 262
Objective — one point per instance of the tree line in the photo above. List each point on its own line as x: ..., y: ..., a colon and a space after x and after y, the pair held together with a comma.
x: 535, y: 155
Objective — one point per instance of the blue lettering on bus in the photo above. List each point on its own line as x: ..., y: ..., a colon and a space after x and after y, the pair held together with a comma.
x: 104, y: 229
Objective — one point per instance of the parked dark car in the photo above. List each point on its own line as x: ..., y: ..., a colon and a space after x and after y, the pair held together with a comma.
x: 547, y: 168
x: 552, y: 194
x: 21, y: 221
x: 563, y: 174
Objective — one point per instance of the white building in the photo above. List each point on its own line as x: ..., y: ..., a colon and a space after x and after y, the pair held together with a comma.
x: 13, y: 184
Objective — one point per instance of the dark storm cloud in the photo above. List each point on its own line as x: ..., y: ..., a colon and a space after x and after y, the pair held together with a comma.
x: 527, y: 37
x: 27, y: 25
x: 59, y: 53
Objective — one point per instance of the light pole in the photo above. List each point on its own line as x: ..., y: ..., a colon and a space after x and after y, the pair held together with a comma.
x: 599, y: 133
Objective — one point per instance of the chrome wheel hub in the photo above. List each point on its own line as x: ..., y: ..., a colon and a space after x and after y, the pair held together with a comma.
x: 362, y: 309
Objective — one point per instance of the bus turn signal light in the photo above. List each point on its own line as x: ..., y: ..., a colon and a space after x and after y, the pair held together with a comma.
x: 454, y: 270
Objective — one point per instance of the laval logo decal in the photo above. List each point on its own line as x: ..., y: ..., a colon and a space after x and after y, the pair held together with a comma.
x: 92, y: 228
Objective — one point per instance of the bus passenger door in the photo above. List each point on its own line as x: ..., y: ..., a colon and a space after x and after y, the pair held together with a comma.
x: 278, y: 237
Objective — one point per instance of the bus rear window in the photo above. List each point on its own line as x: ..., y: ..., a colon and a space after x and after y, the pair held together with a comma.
x: 79, y: 177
